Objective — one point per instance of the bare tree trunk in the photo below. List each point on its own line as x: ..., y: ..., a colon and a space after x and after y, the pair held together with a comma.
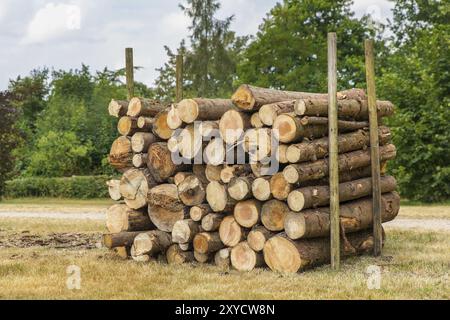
x: 120, y: 218
x: 165, y: 196
x: 118, y: 108
x: 190, y: 110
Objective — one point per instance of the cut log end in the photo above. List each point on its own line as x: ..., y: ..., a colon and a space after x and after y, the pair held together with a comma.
x: 134, y: 107
x: 261, y: 189
x: 173, y: 118
x: 281, y: 255
x: 232, y: 125
x: 238, y: 189
x: 295, y: 225
x: 287, y: 128
x: 230, y: 231
x: 243, y: 98
x: 267, y: 114
x: 243, y: 258
x: 291, y: 174
x: 188, y: 110
x: 296, y: 200
x: 247, y: 213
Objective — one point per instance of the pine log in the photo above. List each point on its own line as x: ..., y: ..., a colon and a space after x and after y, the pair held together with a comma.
x: 199, y: 171
x: 211, y: 222
x: 120, y: 218
x: 281, y: 154
x: 279, y: 187
x: 258, y: 236
x: 343, y: 125
x: 230, y: 171
x: 198, y: 212
x: 173, y: 143
x: 114, y: 189
x: 213, y: 172
x: 261, y: 188
x: 222, y: 258
x: 186, y: 246
x: 255, y: 121
x: 209, y: 129
x: 353, y: 109
x: 308, y: 171
x: 122, y: 252
x: 247, y: 213
x: 191, y: 191
x: 120, y: 156
x: 240, y: 188
x: 184, y: 231
x: 190, y: 110
x: 144, y: 107
x: 313, y: 197
x: 173, y: 118
x: 318, y: 149
x: 250, y: 98
x: 215, y: 152
x: 151, y: 243
x: 354, y: 216
x: 285, y: 255
x: 160, y: 127
x: 140, y: 160
x: 141, y: 141
x: 165, y: 219
x: 217, y: 197
x: 202, y: 257
x: 122, y: 239
x: 190, y: 142
x: 118, y: 108
x: 269, y: 112
x: 146, y: 124
x: 232, y: 125
x: 230, y: 231
x: 243, y: 258
x: 134, y: 187
x: 260, y: 169
x: 258, y: 143
x: 180, y: 177
x: 166, y: 196
x: 290, y: 129
x: 273, y: 213
x: 175, y: 255
x: 160, y: 162
x: 127, y: 126
x: 207, y: 242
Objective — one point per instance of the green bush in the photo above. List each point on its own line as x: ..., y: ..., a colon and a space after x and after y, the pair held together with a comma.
x: 81, y: 187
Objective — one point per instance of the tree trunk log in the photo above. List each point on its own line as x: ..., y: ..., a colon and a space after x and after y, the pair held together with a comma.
x: 273, y: 213
x: 207, y: 242
x: 160, y: 162
x: 191, y: 191
x: 165, y: 219
x: 318, y: 149
x: 122, y: 252
x: 354, y: 216
x: 217, y: 197
x: 114, y: 189
x: 343, y: 125
x: 290, y: 129
x: 140, y: 160
x: 212, y: 172
x: 215, y: 152
x: 118, y: 108
x: 127, y: 126
x: 317, y: 196
x: 141, y: 141
x: 198, y: 212
x: 122, y: 239
x: 248, y: 213
x: 281, y: 155
x: 243, y: 258
x: 240, y: 188
x: 261, y: 188
x: 190, y: 110
x: 269, y: 112
x: 173, y: 118
x: 120, y: 218
x: 258, y: 236
x: 175, y: 255
x: 301, y: 172
x: 222, y: 258
x: 144, y: 107
x: 134, y: 187
x: 285, y: 255
x: 184, y: 231
x: 258, y: 143
x: 160, y: 126
x: 230, y: 232
x: 279, y: 187
x: 190, y: 142
x: 165, y: 196
x: 199, y: 171
x: 145, y: 123
x: 120, y: 156
x: 230, y: 171
x: 211, y: 222
x: 179, y: 177
x: 151, y: 243
x: 255, y: 121
x: 232, y: 125
x: 202, y: 257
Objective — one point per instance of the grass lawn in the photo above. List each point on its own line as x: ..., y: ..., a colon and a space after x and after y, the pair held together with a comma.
x: 416, y: 265
x: 57, y: 201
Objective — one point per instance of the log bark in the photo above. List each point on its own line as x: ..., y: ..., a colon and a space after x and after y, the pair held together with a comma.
x: 302, y: 172
x: 175, y: 255
x: 160, y: 162
x: 354, y: 216
x: 222, y: 258
x: 144, y: 107
x: 318, y: 149
x: 114, y: 189
x: 273, y: 213
x: 211, y: 222
x: 248, y: 213
x: 145, y: 123
x: 120, y: 156
x: 118, y: 108
x: 250, y: 98
x: 127, y: 126
x: 261, y: 188
x: 165, y: 196
x: 232, y: 125
x: 258, y: 236
x: 354, y: 109
x: 190, y: 110
x: 120, y: 218
x: 230, y: 232
x: 279, y: 187
x: 151, y: 243
x: 207, y: 242
x: 160, y: 126
x: 284, y: 255
x: 184, y: 231
x: 213, y: 172
x: 243, y: 258
x: 240, y: 188
x: 165, y: 219
x: 317, y: 196
x: 343, y: 125
x: 173, y: 118
x: 141, y: 141
x: 217, y: 197
x: 140, y: 160
x: 230, y: 171
x: 290, y: 129
x: 122, y: 239
x: 192, y: 191
x: 255, y: 121
x: 134, y: 187
x: 269, y: 112
x: 198, y: 212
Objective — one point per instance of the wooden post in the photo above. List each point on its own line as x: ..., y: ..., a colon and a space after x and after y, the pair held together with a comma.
x: 333, y: 151
x: 129, y: 72
x: 179, y: 78
x: 374, y: 147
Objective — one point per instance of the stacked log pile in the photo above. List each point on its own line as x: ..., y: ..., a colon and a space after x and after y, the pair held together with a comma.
x: 243, y: 182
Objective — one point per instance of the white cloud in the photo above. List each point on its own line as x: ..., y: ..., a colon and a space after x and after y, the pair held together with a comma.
x: 175, y: 23
x: 53, y: 21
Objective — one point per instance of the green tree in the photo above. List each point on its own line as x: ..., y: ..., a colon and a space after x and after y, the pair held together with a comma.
x: 417, y: 79
x: 290, y: 49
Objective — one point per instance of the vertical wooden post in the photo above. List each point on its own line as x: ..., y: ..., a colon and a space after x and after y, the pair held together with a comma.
x: 179, y: 78
x: 374, y: 147
x: 129, y: 72
x: 333, y: 151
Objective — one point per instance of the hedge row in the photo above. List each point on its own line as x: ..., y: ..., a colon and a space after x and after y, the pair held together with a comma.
x: 82, y: 187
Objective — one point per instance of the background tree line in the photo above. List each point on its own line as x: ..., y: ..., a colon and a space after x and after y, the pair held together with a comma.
x: 61, y: 127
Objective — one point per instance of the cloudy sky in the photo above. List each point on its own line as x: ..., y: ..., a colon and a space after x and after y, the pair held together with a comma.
x: 63, y: 34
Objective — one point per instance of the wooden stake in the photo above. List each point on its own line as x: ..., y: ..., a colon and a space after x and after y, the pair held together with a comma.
x: 333, y: 152
x: 374, y: 147
x: 129, y: 72
x: 179, y: 78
